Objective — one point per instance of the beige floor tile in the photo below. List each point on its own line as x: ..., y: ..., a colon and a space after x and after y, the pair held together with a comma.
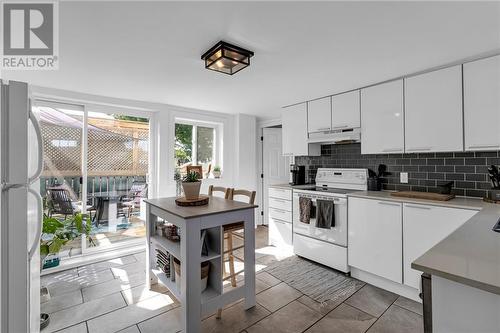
x: 113, y: 286
x: 398, y: 320
x: 73, y: 283
x: 141, y: 256
x: 131, y: 314
x: 372, y: 300
x: 103, y: 265
x: 268, y: 278
x: 260, y: 286
x: 142, y: 292
x: 61, y: 302
x: 409, y: 304
x: 295, y: 317
x: 345, y: 319
x: 84, y: 311
x: 277, y: 296
x: 234, y: 319
x: 80, y: 328
x: 131, y: 329
x: 322, y: 308
x: 168, y: 322
x: 66, y: 275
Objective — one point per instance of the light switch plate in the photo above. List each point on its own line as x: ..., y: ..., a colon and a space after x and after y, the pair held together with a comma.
x: 403, y: 177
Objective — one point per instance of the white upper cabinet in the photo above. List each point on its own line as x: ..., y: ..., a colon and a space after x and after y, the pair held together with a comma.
x: 294, y: 131
x: 482, y: 104
x: 382, y: 120
x: 345, y: 110
x: 319, y: 115
x: 433, y: 111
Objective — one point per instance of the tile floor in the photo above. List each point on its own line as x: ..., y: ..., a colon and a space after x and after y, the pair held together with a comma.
x: 111, y: 296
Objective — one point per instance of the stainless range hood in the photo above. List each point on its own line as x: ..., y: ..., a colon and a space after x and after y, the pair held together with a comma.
x: 342, y: 136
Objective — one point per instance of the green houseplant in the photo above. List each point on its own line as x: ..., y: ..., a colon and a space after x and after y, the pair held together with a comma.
x: 191, y: 185
x: 217, y: 171
x: 57, y: 233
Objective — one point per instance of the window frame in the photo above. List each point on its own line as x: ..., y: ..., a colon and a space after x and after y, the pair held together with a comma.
x: 217, y: 149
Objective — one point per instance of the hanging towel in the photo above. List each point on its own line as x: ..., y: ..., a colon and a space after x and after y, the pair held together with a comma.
x: 305, y: 210
x: 325, y: 214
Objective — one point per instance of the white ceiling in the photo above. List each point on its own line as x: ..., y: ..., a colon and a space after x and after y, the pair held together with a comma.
x: 151, y: 51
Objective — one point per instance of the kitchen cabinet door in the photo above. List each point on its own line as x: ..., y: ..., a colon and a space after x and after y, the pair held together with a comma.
x: 423, y: 227
x: 375, y: 242
x: 433, y: 111
x: 280, y: 233
x: 319, y: 115
x: 345, y: 110
x: 482, y: 104
x: 294, y: 131
x: 382, y: 120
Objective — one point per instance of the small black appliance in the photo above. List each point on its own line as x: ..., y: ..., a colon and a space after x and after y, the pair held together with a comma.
x: 297, y: 174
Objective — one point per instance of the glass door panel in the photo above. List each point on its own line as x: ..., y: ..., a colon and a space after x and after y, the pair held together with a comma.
x: 60, y: 183
x: 117, y: 168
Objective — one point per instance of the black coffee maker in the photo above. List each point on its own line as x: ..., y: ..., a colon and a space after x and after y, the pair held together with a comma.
x: 297, y: 174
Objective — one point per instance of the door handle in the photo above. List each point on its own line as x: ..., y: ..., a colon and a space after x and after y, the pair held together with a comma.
x: 418, y: 207
x: 38, y: 233
x: 389, y: 204
x: 38, y: 132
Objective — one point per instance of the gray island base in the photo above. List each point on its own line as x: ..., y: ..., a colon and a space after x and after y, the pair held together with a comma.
x: 192, y: 221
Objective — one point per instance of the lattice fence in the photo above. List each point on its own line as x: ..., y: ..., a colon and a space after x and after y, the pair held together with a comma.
x: 115, y: 148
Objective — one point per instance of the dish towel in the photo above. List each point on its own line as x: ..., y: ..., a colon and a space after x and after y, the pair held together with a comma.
x: 305, y: 210
x: 325, y: 214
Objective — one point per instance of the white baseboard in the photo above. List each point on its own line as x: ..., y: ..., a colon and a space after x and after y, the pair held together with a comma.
x: 386, y: 284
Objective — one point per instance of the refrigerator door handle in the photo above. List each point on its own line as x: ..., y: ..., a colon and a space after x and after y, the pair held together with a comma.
x: 38, y: 233
x: 38, y: 133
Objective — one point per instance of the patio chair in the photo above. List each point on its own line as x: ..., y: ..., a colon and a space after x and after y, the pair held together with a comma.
x: 60, y: 202
x: 137, y: 192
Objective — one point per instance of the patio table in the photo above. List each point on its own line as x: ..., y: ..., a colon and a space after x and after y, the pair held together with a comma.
x: 192, y: 222
x: 107, y: 206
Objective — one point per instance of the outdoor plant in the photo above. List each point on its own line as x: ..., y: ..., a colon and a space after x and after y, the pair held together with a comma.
x: 217, y: 168
x: 216, y: 171
x: 56, y: 233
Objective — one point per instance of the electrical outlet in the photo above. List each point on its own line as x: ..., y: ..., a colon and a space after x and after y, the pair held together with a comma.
x: 403, y: 177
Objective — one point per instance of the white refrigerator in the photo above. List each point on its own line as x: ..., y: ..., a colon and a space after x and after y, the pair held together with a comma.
x: 20, y: 211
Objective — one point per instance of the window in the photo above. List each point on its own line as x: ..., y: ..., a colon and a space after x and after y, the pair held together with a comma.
x: 196, y: 144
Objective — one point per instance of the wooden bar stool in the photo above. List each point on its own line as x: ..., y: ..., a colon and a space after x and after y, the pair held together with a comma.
x: 230, y: 231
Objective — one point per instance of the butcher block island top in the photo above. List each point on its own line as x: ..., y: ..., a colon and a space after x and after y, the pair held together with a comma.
x: 215, y: 206
x: 176, y: 263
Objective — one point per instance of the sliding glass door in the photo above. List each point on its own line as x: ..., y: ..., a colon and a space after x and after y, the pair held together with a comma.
x: 95, y: 163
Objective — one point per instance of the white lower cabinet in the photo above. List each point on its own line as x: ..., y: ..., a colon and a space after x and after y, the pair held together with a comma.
x: 375, y: 242
x: 280, y: 217
x: 423, y: 227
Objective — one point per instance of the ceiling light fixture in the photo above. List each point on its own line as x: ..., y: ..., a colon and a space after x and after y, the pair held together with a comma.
x: 226, y: 58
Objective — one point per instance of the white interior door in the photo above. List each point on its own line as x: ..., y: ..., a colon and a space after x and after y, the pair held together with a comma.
x: 275, y: 166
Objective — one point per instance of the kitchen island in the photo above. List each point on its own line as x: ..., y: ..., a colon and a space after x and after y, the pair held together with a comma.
x: 193, y: 222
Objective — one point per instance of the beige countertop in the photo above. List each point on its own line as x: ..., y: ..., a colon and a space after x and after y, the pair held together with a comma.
x: 471, y: 254
x: 215, y: 206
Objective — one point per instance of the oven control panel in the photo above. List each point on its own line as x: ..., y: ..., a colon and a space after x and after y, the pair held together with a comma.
x: 342, y: 178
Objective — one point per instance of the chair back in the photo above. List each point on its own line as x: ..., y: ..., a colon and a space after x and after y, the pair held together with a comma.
x: 196, y: 168
x: 250, y: 195
x: 138, y: 191
x: 60, y: 201
x: 220, y: 189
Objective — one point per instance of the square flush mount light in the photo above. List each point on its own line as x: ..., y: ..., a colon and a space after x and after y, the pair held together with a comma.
x: 226, y: 58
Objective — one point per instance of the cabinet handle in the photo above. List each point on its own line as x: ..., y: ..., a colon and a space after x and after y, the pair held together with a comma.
x: 340, y: 126
x: 484, y: 146
x: 418, y: 207
x: 389, y: 203
x: 389, y: 150
x: 279, y: 210
x: 279, y: 200
x: 419, y: 149
x: 323, y: 129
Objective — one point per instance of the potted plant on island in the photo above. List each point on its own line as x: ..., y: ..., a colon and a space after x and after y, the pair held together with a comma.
x: 191, y: 185
x: 216, y: 171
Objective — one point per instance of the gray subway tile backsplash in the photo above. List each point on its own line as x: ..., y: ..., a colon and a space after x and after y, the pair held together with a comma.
x: 426, y: 171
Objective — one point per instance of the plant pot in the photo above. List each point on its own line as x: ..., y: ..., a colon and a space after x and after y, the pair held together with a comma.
x: 205, y: 269
x: 216, y: 174
x: 191, y: 190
